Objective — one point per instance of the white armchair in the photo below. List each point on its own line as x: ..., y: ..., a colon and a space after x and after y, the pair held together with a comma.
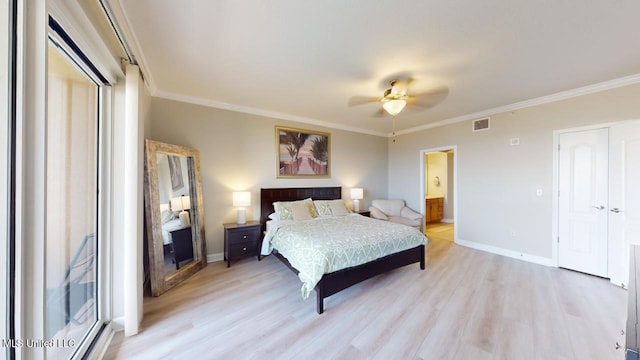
x: 395, y: 211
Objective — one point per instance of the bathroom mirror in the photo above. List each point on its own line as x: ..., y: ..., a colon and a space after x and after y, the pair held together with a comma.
x: 174, y: 214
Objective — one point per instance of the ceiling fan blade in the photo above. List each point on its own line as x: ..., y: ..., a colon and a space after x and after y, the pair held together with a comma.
x: 360, y: 100
x: 408, y: 81
x: 380, y: 113
x: 430, y: 98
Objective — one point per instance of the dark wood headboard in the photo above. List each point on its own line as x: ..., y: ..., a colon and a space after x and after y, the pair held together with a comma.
x: 269, y: 196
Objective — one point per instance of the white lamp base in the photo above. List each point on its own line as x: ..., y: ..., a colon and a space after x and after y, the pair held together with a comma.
x: 356, y: 205
x: 184, y: 219
x: 241, y: 216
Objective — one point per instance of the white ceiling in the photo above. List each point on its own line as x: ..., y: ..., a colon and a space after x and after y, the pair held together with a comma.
x: 304, y: 60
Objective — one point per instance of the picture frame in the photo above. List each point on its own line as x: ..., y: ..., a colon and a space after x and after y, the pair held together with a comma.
x: 302, y: 153
x: 175, y: 170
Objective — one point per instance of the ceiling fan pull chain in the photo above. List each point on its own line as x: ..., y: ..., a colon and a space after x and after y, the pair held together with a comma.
x: 394, y: 129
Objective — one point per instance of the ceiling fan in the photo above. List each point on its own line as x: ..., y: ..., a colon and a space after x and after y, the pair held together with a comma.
x: 397, y: 97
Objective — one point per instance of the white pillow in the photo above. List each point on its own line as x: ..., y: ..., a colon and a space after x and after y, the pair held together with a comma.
x: 338, y: 208
x: 166, y: 216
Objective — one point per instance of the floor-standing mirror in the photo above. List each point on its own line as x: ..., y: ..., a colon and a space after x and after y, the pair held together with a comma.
x: 174, y: 214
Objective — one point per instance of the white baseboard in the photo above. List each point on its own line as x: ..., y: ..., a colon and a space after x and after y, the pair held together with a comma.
x: 504, y: 252
x: 448, y: 221
x: 215, y: 257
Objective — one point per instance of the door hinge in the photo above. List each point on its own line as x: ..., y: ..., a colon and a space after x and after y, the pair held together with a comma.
x: 558, y: 239
x: 558, y: 147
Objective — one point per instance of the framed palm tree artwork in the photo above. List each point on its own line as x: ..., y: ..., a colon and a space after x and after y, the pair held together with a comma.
x: 302, y: 153
x: 175, y: 171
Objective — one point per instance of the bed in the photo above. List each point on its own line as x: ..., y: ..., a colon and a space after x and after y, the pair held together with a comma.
x: 169, y: 227
x: 334, y: 281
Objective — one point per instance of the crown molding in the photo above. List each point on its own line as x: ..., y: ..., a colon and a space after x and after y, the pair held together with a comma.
x: 585, y: 90
x: 261, y: 112
x: 123, y: 28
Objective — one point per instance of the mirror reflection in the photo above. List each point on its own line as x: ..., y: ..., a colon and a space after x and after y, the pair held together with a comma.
x: 174, y: 214
x: 175, y: 207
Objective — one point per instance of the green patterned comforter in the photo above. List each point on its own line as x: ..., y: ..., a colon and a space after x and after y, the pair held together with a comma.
x: 327, y: 244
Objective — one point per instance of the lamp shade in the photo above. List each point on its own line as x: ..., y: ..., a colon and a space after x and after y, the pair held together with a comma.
x: 241, y: 198
x: 180, y: 203
x: 394, y: 107
x: 356, y: 193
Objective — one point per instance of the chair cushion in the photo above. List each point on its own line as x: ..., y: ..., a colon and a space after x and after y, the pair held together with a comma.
x: 377, y: 214
x: 405, y: 221
x: 389, y: 207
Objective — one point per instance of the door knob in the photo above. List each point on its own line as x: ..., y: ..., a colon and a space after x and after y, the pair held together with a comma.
x: 615, y: 210
x: 601, y: 207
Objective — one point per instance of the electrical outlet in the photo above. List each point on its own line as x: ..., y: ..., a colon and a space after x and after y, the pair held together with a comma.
x: 538, y: 192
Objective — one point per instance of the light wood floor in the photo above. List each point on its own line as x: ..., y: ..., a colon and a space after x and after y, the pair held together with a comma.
x: 441, y: 231
x: 467, y: 304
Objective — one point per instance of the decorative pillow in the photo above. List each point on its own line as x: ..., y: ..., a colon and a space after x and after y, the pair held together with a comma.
x: 303, y: 210
x: 331, y: 207
x: 285, y: 211
x: 274, y: 216
x: 323, y: 207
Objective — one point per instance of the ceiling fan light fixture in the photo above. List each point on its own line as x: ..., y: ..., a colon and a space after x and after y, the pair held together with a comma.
x: 393, y: 107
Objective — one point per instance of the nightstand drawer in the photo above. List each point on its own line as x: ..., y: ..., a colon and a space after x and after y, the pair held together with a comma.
x: 242, y: 249
x: 244, y: 235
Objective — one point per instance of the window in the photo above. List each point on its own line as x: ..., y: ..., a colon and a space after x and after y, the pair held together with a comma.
x: 73, y: 233
x: 58, y: 186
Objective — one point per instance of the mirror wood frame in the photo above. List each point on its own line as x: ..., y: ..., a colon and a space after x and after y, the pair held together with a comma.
x: 160, y: 282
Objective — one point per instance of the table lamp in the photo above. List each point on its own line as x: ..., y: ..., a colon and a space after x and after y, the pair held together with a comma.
x: 356, y: 196
x: 241, y: 199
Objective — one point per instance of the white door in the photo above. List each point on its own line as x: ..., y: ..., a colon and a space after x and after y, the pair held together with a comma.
x: 582, y: 217
x: 624, y: 201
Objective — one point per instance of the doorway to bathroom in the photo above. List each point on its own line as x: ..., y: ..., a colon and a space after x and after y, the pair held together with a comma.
x: 438, y: 189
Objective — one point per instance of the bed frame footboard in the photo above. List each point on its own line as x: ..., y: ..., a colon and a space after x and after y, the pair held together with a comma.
x: 337, y: 281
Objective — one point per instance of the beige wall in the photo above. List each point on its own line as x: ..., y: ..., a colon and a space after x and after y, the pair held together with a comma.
x: 436, y: 167
x: 496, y: 183
x: 237, y: 152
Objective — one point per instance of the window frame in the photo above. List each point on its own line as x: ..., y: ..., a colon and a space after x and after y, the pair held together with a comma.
x: 63, y: 42
x: 26, y: 301
x: 8, y: 16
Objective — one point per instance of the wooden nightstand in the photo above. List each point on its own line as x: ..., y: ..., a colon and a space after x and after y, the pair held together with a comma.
x: 241, y: 240
x: 182, y: 246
